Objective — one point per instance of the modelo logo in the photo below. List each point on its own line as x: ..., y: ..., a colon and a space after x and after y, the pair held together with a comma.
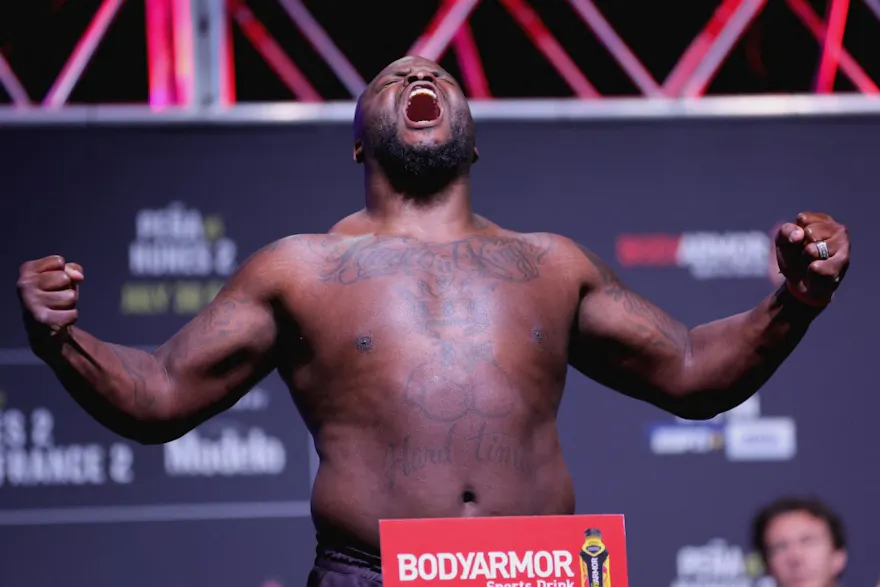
x: 230, y: 455
x: 447, y: 566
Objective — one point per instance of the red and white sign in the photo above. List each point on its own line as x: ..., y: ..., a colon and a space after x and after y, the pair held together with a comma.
x: 529, y: 551
x: 705, y: 254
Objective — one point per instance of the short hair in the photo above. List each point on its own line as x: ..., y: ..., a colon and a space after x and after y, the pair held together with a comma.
x: 790, y: 504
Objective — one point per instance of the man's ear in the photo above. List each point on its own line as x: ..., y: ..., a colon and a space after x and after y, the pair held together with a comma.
x: 358, y: 152
x: 838, y: 562
x: 476, y: 155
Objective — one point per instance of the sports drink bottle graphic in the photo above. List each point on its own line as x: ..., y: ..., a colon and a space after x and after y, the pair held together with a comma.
x: 595, y: 563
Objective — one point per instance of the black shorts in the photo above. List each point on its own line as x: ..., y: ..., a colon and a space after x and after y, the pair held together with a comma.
x: 344, y: 566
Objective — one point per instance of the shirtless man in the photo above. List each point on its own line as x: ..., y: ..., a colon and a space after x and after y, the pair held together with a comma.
x: 425, y: 347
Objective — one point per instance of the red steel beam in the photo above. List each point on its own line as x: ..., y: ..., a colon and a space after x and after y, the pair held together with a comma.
x: 13, y: 87
x: 848, y: 65
x: 618, y: 49
x: 324, y: 46
x: 471, y: 65
x: 160, y: 60
x: 546, y: 43
x: 695, y: 85
x: 184, y: 70
x: 699, y: 47
x: 82, y: 53
x: 283, y: 66
x: 469, y: 62
x: 832, y: 42
x: 227, y: 86
x: 432, y: 43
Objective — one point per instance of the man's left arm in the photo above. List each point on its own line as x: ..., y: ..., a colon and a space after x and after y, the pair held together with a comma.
x: 628, y: 344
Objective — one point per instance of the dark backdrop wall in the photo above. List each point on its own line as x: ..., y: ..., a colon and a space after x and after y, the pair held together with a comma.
x: 682, y: 209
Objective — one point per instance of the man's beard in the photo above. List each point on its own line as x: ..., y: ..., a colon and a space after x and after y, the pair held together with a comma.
x: 419, y: 171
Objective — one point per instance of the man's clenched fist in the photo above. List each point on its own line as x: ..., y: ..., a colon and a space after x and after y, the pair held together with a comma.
x: 47, y: 289
x: 813, y: 254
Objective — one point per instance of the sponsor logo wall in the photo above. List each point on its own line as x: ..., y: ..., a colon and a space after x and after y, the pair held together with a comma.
x: 741, y: 434
x: 719, y: 564
x: 684, y: 211
x: 177, y: 261
x: 31, y: 456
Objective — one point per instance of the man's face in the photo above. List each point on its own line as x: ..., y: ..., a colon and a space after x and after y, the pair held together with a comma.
x: 416, y: 122
x: 801, y: 553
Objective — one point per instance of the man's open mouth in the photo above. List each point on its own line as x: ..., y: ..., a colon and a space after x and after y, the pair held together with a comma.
x: 422, y: 106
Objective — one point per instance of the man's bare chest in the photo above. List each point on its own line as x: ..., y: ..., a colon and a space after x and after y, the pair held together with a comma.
x: 469, y: 288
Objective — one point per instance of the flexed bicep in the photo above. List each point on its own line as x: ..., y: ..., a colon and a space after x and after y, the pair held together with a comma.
x: 623, y: 340
x: 221, y: 353
x: 154, y: 397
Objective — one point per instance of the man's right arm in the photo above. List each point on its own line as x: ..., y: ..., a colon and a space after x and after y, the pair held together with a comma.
x: 154, y: 397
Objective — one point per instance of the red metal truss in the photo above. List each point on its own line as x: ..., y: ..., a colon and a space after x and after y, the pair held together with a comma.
x: 283, y: 66
x: 170, y: 62
x: 689, y: 78
x: 76, y: 62
x: 848, y: 64
x: 10, y: 83
x: 174, y: 61
x: 832, y: 43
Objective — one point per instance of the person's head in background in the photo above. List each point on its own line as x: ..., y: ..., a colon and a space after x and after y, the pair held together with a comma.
x: 802, y: 542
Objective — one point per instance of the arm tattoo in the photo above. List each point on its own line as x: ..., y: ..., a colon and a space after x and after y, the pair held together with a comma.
x: 642, y: 314
x: 137, y: 365
x: 218, y: 322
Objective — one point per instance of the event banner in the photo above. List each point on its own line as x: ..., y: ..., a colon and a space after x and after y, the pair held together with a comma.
x: 527, y: 551
x: 53, y: 453
x: 684, y: 211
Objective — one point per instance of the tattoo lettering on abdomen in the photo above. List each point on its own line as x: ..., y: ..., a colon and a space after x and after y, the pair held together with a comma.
x: 406, y: 458
x: 495, y: 449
